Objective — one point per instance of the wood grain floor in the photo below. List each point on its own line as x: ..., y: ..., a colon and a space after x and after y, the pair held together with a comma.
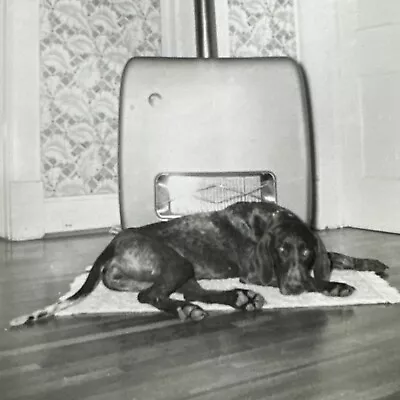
x: 324, y: 354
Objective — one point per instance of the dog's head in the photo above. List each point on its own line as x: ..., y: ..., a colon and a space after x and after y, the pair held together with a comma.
x: 293, y: 249
x: 287, y: 252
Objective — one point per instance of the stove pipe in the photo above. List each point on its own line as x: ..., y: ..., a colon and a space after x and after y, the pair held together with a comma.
x: 206, y: 28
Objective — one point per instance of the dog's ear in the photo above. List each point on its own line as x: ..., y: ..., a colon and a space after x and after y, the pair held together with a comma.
x: 258, y: 224
x: 322, y: 264
x: 264, y: 259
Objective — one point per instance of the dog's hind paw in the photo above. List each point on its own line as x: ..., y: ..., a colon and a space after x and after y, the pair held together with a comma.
x: 247, y: 300
x: 191, y: 312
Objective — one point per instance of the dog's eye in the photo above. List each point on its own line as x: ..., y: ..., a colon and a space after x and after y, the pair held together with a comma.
x: 283, y: 250
x: 305, y: 253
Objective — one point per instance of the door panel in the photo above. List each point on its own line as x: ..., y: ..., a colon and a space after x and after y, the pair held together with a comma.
x: 380, y: 102
x: 371, y: 69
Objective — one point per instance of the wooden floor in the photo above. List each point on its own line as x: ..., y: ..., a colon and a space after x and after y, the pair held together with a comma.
x: 351, y: 353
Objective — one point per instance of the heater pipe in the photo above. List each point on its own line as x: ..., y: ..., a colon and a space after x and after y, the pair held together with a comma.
x: 206, y: 29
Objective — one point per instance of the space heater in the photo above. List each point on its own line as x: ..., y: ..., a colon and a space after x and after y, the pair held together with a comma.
x: 198, y: 134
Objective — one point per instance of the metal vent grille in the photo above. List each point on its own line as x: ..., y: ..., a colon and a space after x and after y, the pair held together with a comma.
x: 178, y: 194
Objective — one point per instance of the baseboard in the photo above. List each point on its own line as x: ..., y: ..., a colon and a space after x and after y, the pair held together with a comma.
x: 81, y: 213
x: 25, y: 211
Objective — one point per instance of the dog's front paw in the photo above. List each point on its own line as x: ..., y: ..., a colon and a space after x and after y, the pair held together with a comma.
x: 369, y: 264
x: 247, y: 300
x: 338, y: 289
x: 191, y: 312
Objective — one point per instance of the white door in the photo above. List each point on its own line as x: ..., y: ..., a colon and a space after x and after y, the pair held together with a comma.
x: 368, y: 105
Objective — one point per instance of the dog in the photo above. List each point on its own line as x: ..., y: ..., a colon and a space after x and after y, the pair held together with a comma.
x: 262, y: 243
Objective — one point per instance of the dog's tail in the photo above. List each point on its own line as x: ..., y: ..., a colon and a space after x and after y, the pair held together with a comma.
x: 88, y: 286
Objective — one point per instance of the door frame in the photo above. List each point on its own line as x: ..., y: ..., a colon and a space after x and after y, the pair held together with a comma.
x: 320, y: 55
x: 21, y: 202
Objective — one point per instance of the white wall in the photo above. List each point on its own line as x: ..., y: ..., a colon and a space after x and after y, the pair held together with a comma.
x: 3, y: 221
x: 319, y: 54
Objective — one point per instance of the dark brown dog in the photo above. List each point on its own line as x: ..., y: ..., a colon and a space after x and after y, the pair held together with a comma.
x: 262, y: 243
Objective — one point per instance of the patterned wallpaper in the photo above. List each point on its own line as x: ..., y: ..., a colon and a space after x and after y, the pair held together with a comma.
x: 84, y: 47
x: 262, y: 28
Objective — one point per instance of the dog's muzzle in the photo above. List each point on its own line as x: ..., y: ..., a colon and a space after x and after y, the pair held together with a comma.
x: 293, y: 289
x: 292, y: 283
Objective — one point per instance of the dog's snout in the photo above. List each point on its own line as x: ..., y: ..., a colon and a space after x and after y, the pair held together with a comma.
x: 293, y: 283
x: 291, y: 289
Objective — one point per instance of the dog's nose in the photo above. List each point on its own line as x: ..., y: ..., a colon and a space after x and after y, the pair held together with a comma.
x: 292, y: 289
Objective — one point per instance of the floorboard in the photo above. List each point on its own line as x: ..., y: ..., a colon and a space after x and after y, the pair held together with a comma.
x: 321, y: 354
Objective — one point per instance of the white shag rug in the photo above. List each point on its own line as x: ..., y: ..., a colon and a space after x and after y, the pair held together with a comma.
x: 370, y: 289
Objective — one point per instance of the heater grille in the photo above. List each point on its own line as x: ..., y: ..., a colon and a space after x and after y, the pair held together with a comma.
x: 178, y: 194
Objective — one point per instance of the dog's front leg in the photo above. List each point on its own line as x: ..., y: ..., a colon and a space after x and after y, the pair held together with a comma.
x: 239, y: 298
x: 329, y: 288
x: 335, y: 289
